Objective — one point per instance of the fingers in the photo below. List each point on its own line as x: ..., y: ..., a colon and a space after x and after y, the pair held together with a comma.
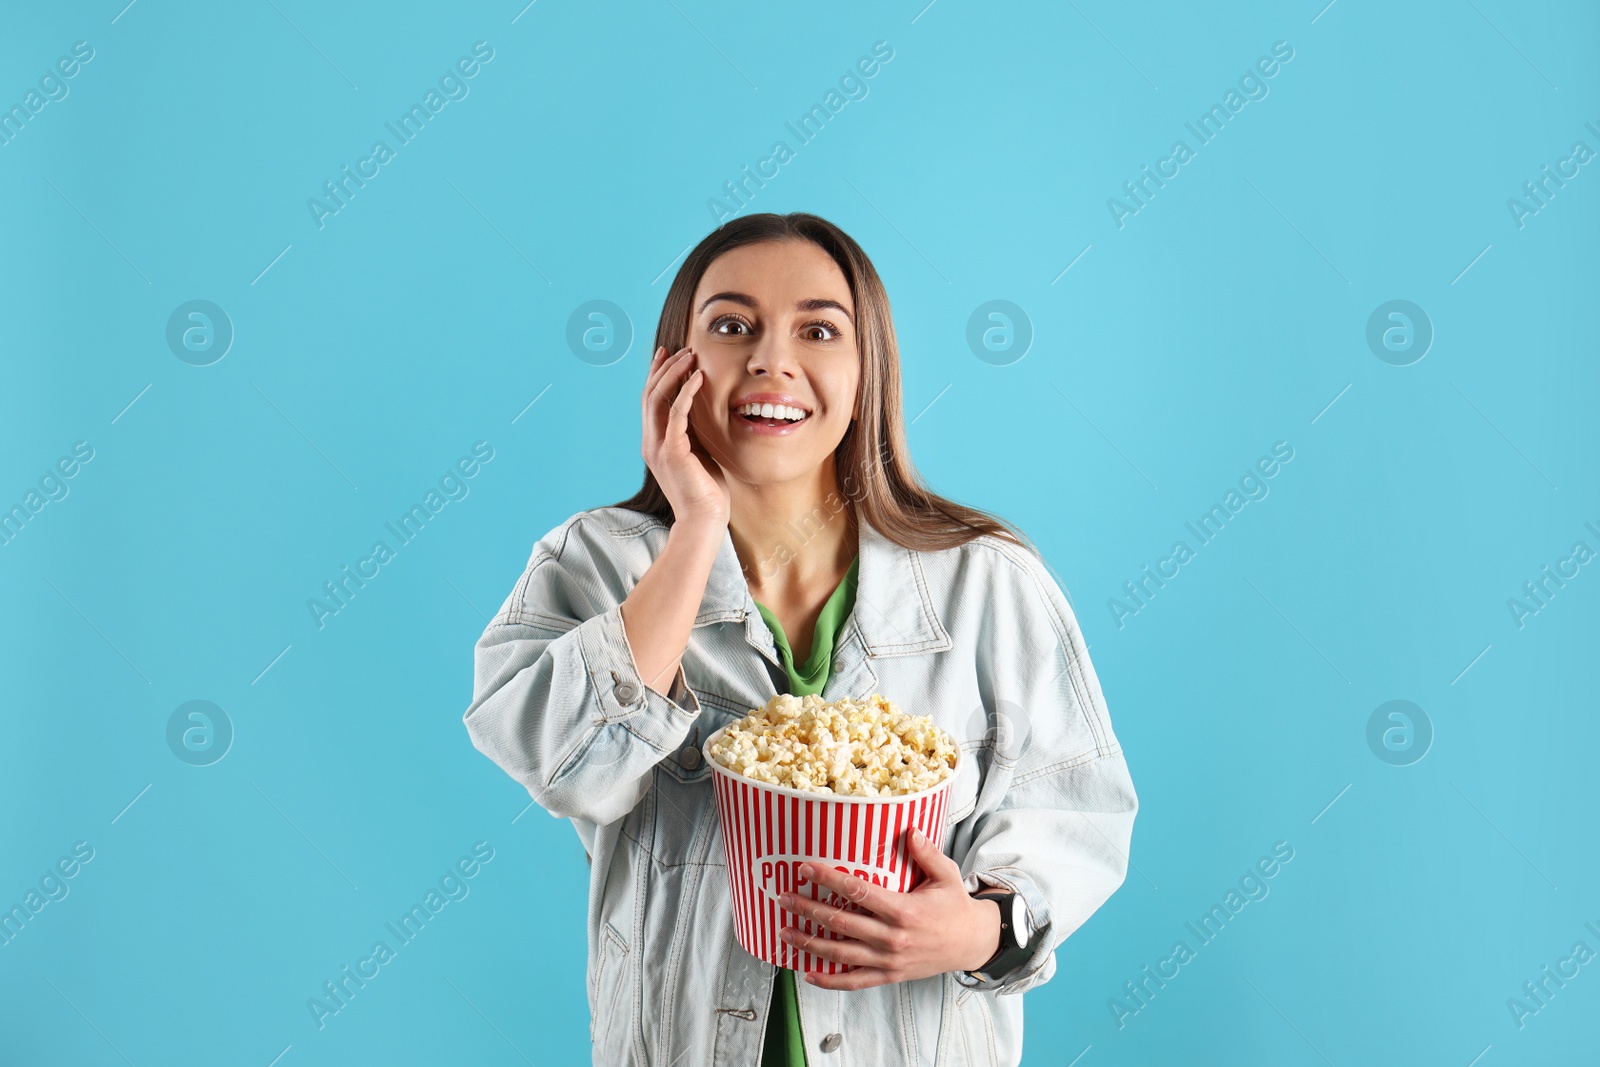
x: 853, y: 953
x: 849, y: 924
x: 860, y: 978
x: 662, y: 367
x: 678, y: 413
x: 664, y: 381
x: 933, y: 861
x: 657, y: 361
x: 856, y: 890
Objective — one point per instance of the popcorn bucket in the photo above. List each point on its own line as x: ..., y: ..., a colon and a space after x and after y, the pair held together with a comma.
x: 768, y: 831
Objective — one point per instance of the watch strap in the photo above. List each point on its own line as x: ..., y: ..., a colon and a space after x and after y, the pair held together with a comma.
x: 1009, y: 955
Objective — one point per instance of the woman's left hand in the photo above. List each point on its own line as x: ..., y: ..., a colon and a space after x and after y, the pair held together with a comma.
x: 936, y: 927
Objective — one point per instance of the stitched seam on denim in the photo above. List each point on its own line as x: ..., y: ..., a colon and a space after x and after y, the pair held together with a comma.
x: 908, y: 1030
x: 675, y: 771
x: 927, y: 602
x: 599, y: 992
x: 1090, y: 712
x: 536, y: 620
x: 941, y: 1039
x: 594, y: 734
x: 519, y: 609
x: 621, y: 982
x: 626, y: 725
x: 723, y: 1012
x: 1080, y: 760
x: 549, y: 554
x: 1069, y: 651
x: 948, y: 1022
x: 731, y: 615
x: 663, y: 865
x: 680, y: 937
x: 722, y: 702
x: 519, y: 594
x: 687, y: 863
x: 997, y: 763
x: 627, y: 531
x: 940, y: 641
x: 581, y: 746
x: 641, y: 896
x: 648, y: 850
x: 988, y: 1025
x: 701, y: 834
x: 538, y: 558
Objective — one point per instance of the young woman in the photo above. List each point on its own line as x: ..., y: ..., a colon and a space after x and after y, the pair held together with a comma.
x: 783, y: 542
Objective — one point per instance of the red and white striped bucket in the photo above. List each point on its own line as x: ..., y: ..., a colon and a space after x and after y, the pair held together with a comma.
x: 768, y: 831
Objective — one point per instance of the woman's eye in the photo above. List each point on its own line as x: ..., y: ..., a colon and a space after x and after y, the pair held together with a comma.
x: 739, y: 327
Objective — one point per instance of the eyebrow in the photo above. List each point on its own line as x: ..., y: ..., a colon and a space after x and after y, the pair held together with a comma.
x: 813, y: 304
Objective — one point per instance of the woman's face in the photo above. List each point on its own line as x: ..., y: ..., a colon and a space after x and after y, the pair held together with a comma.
x: 774, y: 323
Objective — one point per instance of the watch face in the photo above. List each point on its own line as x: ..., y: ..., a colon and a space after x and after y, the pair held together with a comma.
x: 1019, y: 921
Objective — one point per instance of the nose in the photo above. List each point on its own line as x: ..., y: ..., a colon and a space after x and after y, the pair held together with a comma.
x: 773, y: 355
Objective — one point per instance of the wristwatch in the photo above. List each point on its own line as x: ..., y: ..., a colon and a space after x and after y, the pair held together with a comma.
x: 1014, y: 933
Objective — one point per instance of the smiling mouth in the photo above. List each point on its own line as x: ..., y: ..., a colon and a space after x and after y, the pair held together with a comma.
x: 762, y: 420
x: 782, y: 416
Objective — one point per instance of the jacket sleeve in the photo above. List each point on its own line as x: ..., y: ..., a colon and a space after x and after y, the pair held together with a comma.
x: 1055, y: 810
x: 557, y: 700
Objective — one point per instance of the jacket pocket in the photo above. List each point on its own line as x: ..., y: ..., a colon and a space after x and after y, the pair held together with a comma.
x: 611, y: 977
x: 684, y: 802
x: 683, y: 814
x: 975, y: 1028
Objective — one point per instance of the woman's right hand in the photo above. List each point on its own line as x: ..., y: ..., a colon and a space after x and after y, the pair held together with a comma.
x: 693, y: 482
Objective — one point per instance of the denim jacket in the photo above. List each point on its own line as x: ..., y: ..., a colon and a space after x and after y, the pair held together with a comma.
x: 980, y: 637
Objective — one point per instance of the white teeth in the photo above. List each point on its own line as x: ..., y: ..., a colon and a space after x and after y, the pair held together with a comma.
x: 773, y: 411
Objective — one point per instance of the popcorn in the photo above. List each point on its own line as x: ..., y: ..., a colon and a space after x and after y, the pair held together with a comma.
x: 862, y: 748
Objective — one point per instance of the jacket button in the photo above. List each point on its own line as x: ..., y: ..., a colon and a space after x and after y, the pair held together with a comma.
x: 689, y: 757
x: 838, y: 665
x: 625, y: 692
x: 831, y: 1042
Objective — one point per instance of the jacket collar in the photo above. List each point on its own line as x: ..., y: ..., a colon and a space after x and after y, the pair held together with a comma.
x: 893, y: 613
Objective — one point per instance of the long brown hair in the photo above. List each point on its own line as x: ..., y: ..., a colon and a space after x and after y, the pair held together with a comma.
x: 872, y: 461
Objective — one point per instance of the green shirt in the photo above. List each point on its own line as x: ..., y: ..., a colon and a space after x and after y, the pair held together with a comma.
x: 784, y: 1045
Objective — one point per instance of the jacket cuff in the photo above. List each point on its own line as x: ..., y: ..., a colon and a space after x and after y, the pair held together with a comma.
x: 660, y: 720
x: 1040, y: 964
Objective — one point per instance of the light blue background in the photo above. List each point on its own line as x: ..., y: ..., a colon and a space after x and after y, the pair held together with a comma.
x: 370, y: 354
